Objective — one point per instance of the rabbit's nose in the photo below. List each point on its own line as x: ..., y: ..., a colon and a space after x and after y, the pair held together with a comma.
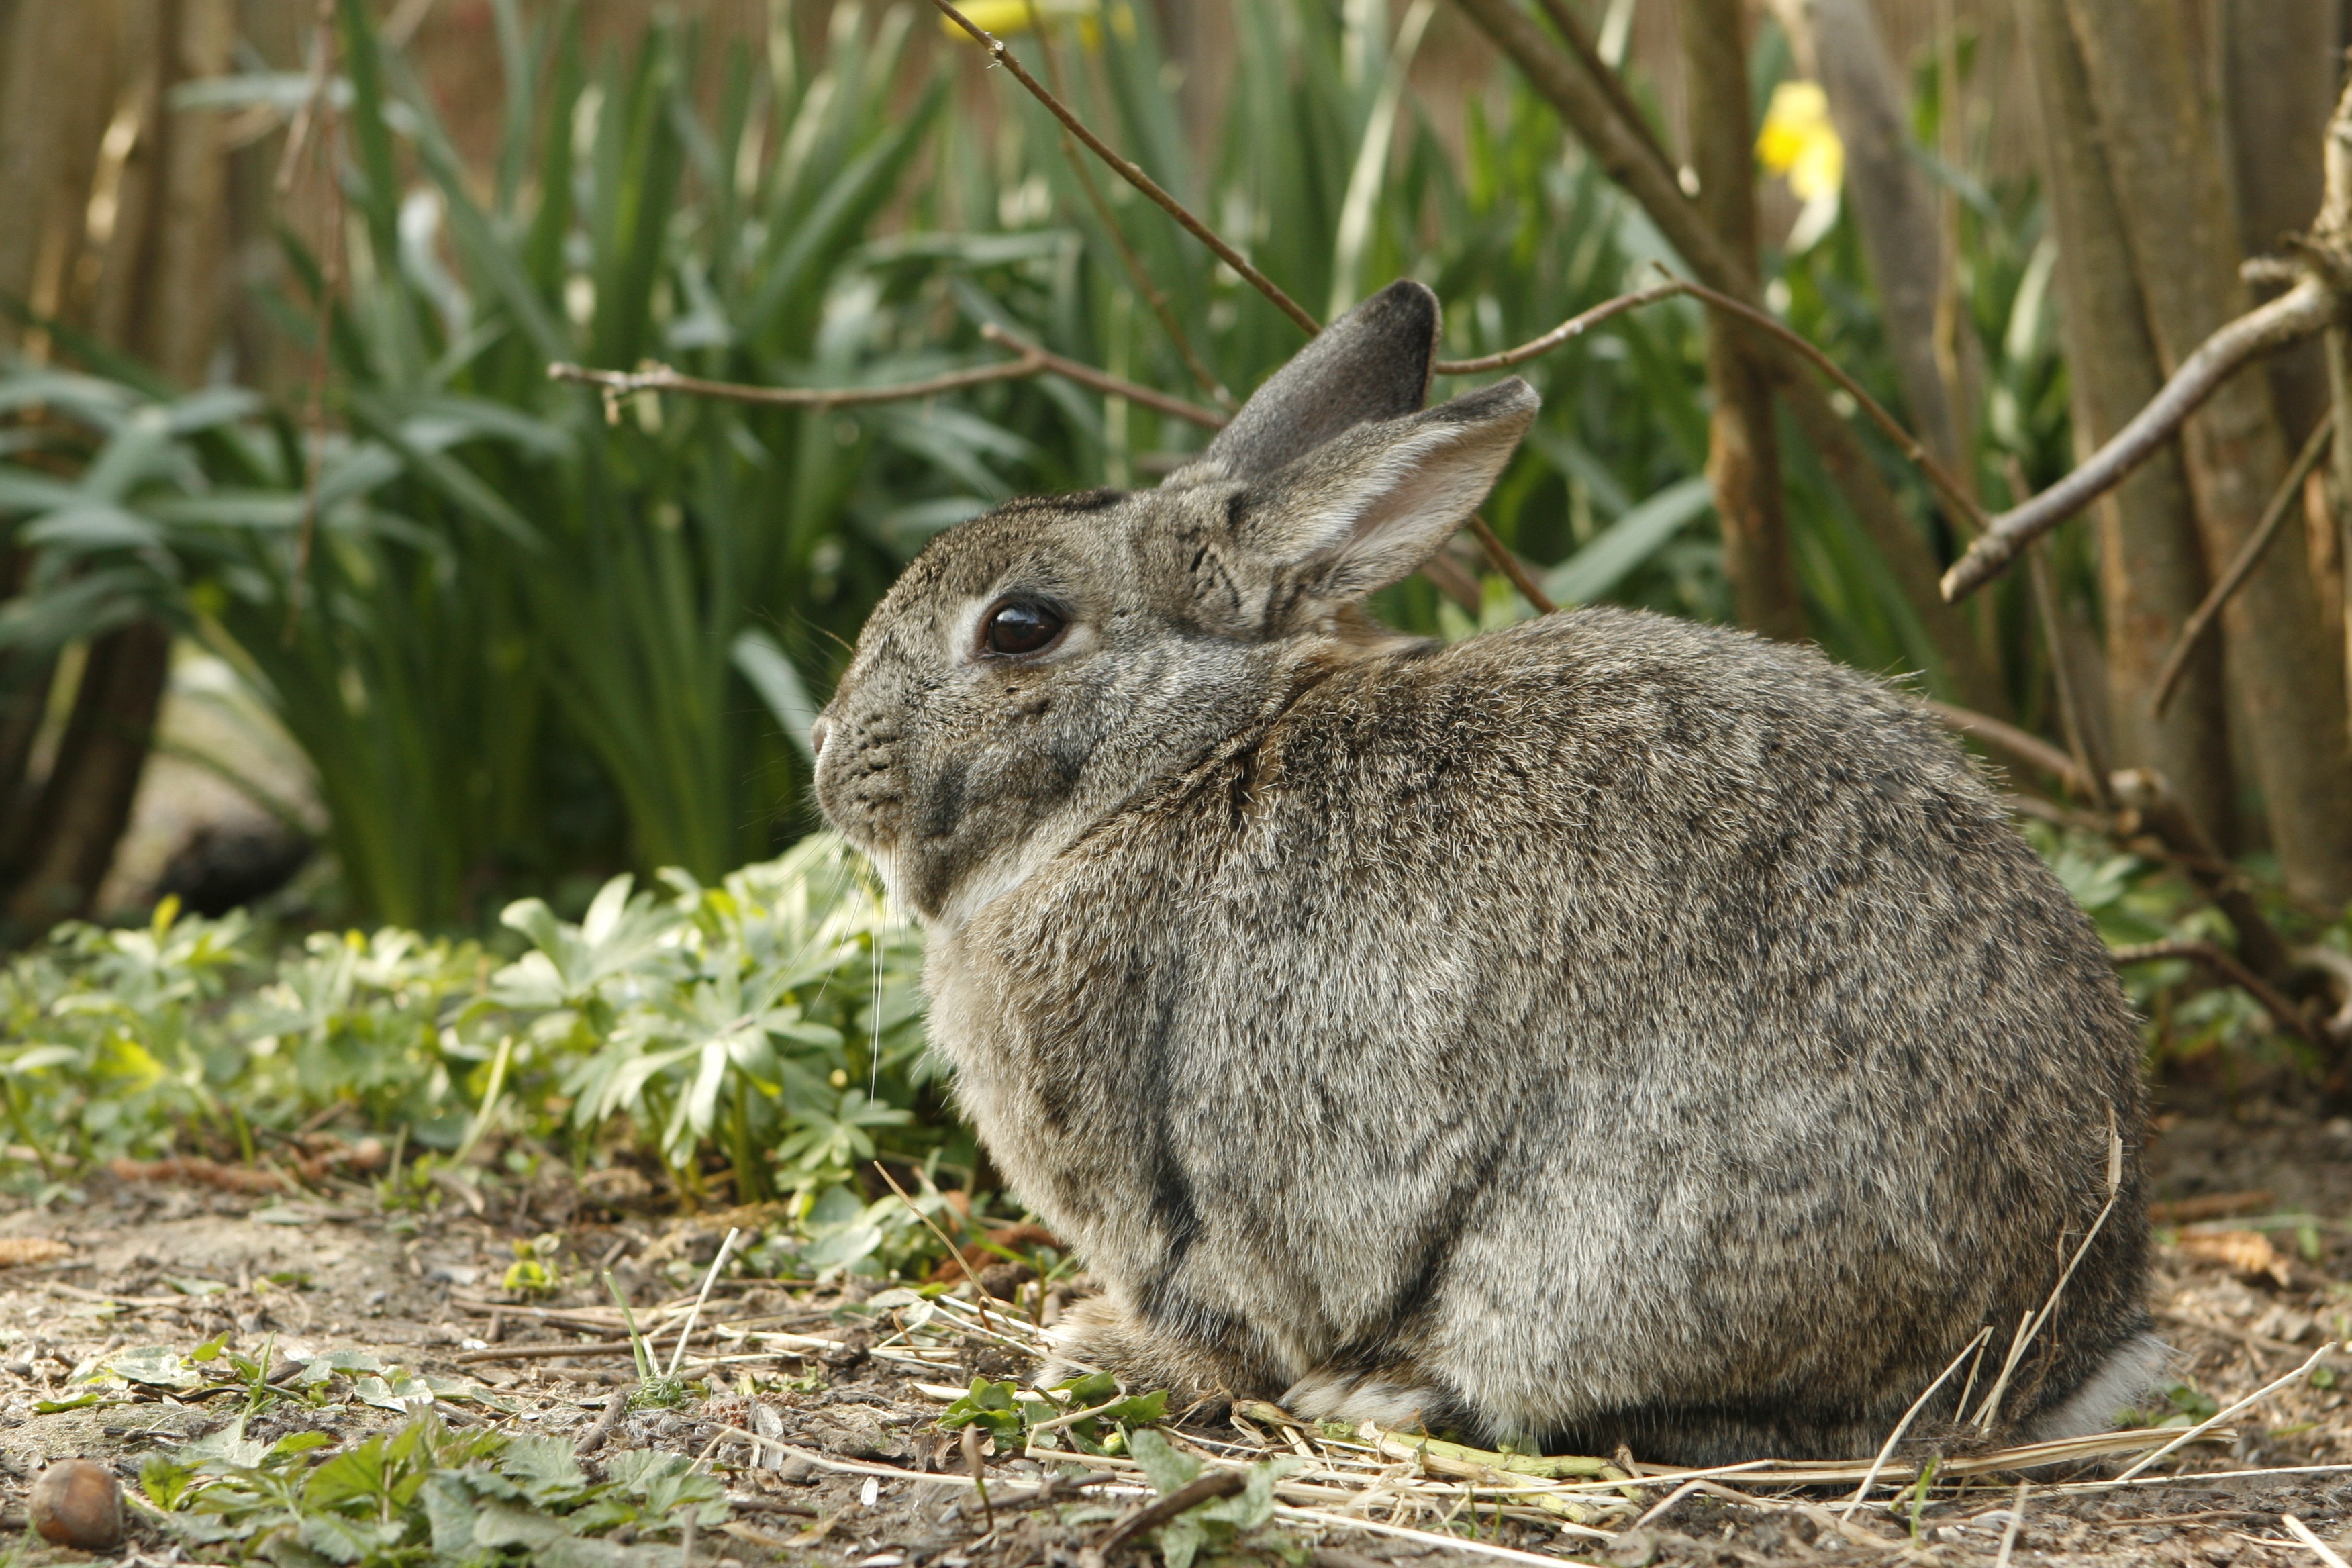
x: 818, y: 729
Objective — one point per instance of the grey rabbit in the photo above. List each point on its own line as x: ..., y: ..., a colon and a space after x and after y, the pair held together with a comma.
x: 1607, y: 1030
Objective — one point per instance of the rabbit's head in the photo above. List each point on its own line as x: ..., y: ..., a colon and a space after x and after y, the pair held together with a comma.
x: 1035, y: 666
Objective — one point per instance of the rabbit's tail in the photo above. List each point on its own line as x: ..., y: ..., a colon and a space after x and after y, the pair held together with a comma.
x: 2129, y: 1375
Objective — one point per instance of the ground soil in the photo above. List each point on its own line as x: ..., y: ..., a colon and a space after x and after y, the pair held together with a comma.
x: 2243, y: 1299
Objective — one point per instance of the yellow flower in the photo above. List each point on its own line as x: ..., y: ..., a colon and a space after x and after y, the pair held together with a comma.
x: 1798, y: 141
x: 1006, y: 17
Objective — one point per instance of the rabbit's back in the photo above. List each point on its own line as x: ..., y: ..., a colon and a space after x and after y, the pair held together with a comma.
x: 1610, y: 1028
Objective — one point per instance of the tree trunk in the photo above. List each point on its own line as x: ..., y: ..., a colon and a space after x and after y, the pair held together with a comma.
x: 2151, y: 562
x: 57, y: 76
x: 153, y: 212
x: 1743, y: 457
x: 1624, y: 155
x: 2278, y: 80
x: 87, y: 802
x: 2172, y: 192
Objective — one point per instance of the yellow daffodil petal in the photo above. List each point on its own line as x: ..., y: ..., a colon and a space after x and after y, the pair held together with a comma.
x: 1798, y: 139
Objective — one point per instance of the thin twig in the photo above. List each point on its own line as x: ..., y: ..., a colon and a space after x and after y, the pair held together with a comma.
x: 1955, y: 494
x: 1153, y: 295
x: 620, y: 384
x: 2198, y: 1430
x: 2027, y: 748
x: 1159, y: 1511
x: 1103, y: 380
x: 1511, y: 566
x: 2319, y: 1548
x: 2284, y: 1013
x: 617, y: 1405
x: 979, y: 1292
x: 1129, y: 172
x: 2309, y: 307
x: 1575, y: 326
x: 2241, y: 566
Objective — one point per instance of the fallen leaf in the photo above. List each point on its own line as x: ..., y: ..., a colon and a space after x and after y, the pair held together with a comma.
x: 2245, y: 1253
x: 15, y: 1251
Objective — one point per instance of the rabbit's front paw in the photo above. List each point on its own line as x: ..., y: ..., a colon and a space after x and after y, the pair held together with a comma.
x: 1100, y: 1334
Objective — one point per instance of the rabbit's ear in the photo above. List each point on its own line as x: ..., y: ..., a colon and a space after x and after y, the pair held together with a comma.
x: 1363, y: 510
x: 1371, y: 363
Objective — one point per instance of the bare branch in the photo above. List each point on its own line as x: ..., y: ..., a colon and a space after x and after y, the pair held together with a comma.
x: 620, y: 384
x: 2284, y: 1013
x: 1103, y: 380
x: 2032, y: 750
x: 1129, y: 172
x: 2248, y: 555
x: 1574, y: 327
x: 1954, y: 492
x: 2153, y: 808
x: 1511, y: 566
x: 1613, y: 86
x: 1153, y: 295
x: 2309, y: 307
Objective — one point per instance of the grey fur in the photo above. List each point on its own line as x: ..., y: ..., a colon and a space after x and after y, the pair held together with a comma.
x: 1607, y: 1029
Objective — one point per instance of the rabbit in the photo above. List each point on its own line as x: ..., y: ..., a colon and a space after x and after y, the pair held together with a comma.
x: 1609, y: 1029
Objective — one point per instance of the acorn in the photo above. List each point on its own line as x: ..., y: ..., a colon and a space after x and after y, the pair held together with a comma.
x: 77, y: 1502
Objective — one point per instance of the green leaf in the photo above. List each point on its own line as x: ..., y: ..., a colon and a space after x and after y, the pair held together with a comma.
x: 56, y: 1407
x: 1626, y: 544
x: 1168, y: 1467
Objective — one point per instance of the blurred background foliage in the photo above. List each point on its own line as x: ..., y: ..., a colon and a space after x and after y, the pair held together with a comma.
x: 480, y: 637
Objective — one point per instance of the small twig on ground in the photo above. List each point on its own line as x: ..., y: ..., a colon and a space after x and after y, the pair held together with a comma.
x: 617, y: 1405
x: 1159, y: 1511
x: 2193, y: 1433
x: 979, y: 1292
x: 1989, y: 1410
x: 979, y: 1473
x: 2303, y: 1533
x: 1129, y: 172
x: 2241, y: 566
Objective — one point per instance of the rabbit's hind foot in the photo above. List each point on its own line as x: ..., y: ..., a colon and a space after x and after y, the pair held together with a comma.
x: 1392, y: 1397
x: 1103, y: 1334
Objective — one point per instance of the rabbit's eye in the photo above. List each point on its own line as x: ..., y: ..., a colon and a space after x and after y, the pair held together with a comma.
x: 1021, y: 628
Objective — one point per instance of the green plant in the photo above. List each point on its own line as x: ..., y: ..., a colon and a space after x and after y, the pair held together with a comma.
x: 1220, y: 1526
x: 770, y: 1023
x: 422, y: 1493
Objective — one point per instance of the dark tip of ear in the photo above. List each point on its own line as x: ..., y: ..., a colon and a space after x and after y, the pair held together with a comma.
x: 1374, y: 363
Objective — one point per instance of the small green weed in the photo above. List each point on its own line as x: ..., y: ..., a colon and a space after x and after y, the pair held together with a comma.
x: 1218, y: 1527
x: 423, y: 1494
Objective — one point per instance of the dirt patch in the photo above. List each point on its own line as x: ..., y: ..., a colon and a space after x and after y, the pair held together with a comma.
x: 817, y: 1410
